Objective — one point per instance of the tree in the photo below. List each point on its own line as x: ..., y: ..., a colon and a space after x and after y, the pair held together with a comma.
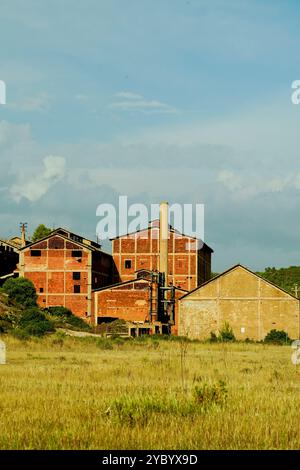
x: 40, y: 232
x: 21, y: 290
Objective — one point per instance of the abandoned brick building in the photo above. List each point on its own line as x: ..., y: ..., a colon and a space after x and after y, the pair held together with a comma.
x: 65, y: 268
x: 141, y: 281
x: 152, y: 269
x: 188, y: 264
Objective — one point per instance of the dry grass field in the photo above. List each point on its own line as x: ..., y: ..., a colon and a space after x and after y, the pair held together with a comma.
x: 73, y: 393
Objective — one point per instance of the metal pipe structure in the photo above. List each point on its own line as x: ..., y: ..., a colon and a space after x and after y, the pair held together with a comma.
x: 163, y: 239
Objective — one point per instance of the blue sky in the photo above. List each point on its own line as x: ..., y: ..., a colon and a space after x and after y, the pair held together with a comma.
x: 185, y: 100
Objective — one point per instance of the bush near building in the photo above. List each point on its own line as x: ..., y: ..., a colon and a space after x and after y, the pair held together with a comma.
x: 20, y: 290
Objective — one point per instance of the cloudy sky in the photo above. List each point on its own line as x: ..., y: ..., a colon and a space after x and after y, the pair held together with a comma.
x: 184, y: 100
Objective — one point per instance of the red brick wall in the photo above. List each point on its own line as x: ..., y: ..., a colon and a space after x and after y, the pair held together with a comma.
x: 53, y: 272
x: 187, y: 266
x: 129, y: 302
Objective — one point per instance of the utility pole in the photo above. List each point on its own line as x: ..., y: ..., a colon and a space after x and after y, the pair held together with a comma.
x: 295, y: 290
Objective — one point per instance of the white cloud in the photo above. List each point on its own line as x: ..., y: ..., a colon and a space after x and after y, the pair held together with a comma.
x: 128, y: 95
x: 133, y: 102
x: 35, y: 187
x: 40, y: 102
x: 230, y: 180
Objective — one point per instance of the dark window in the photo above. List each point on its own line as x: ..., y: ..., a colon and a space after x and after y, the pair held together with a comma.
x: 41, y: 289
x: 76, y: 253
x: 35, y: 252
x: 76, y: 238
x: 127, y: 263
x: 76, y: 276
x: 76, y: 289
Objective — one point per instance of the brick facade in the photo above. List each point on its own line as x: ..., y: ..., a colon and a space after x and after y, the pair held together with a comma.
x: 64, y: 271
x: 188, y: 265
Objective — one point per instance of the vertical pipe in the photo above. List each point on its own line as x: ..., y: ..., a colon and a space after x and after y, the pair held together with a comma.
x: 163, y: 239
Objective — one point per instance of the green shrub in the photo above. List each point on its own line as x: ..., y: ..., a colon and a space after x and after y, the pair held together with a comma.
x: 138, y: 409
x: 21, y: 290
x: 59, y: 311
x: 65, y: 318
x: 31, y: 314
x: 208, y: 394
x: 226, y: 333
x: 5, y: 326
x: 277, y: 337
x: 104, y: 343
x: 213, y: 337
x: 34, y: 322
x: 20, y: 334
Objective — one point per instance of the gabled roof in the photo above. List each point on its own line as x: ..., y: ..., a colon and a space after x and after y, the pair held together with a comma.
x: 10, y: 244
x: 57, y: 232
x: 231, y: 269
x: 153, y: 226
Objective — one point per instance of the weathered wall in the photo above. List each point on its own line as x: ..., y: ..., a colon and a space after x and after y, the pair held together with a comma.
x: 52, y: 273
x: 130, y: 301
x: 249, y: 304
x: 188, y: 267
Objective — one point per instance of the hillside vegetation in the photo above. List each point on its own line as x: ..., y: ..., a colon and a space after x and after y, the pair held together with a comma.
x: 21, y: 316
x: 286, y: 278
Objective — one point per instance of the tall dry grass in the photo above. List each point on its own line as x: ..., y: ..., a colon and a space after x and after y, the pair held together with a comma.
x: 67, y: 393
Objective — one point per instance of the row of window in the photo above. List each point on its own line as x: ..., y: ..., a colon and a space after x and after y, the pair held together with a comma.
x: 75, y: 253
x: 76, y: 289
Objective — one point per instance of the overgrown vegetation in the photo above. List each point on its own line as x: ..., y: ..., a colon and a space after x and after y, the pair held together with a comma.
x: 225, y: 334
x: 21, y: 291
x: 211, y: 394
x: 21, y: 315
x: 277, y: 337
x: 64, y: 318
x: 61, y: 392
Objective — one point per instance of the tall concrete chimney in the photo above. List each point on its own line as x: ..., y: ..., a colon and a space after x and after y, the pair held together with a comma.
x: 23, y: 234
x: 163, y: 239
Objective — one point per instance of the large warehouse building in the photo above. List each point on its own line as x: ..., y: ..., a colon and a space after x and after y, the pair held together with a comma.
x: 251, y: 305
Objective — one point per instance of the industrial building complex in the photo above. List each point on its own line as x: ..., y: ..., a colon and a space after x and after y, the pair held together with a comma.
x: 157, y: 280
